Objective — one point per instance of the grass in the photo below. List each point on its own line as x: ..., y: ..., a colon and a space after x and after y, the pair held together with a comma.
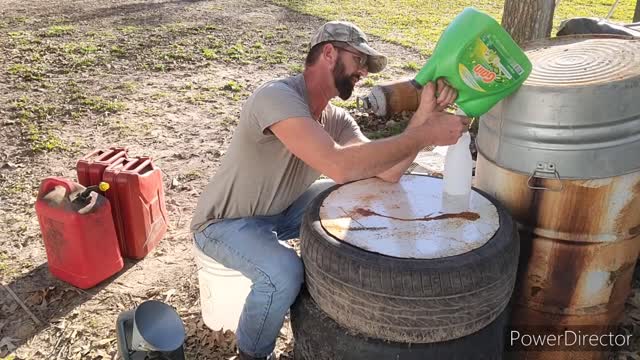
x: 345, y: 104
x: 59, y: 30
x: 100, y: 105
x: 79, y: 48
x: 296, y: 68
x: 386, y: 132
x: 26, y: 72
x: 44, y: 140
x: 34, y: 119
x: 233, y: 86
x: 411, y: 66
x: 368, y: 82
x: 209, y: 54
x: 419, y: 23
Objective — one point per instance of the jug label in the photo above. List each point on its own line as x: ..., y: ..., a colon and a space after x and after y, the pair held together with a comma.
x: 484, y: 65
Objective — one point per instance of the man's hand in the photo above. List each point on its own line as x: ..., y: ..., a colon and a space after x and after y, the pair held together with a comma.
x: 444, y: 128
x: 441, y: 127
x: 436, y: 99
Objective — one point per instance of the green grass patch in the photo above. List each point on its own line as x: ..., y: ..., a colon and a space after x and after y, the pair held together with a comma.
x: 419, y: 24
x: 279, y: 56
x: 411, y: 66
x: 83, y: 61
x: 59, y: 30
x: 159, y: 95
x: 368, y: 82
x: 26, y: 72
x: 99, y: 104
x: 122, y: 128
x: 21, y: 19
x: 233, y: 86
x: 236, y: 52
x: 209, y: 54
x: 384, y: 133
x: 79, y: 48
x: 39, y: 136
x: 17, y: 34
x: 9, y: 357
x: 26, y: 109
x: 128, y: 86
x: 129, y: 29
x: 178, y: 53
x: 198, y: 98
x: 345, y: 104
x: 296, y: 68
x: 117, y: 51
x: 44, y: 140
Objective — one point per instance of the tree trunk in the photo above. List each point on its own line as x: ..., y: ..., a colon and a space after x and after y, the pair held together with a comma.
x: 636, y: 16
x: 528, y: 19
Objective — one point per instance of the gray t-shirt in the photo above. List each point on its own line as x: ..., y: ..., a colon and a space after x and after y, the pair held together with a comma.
x: 258, y: 175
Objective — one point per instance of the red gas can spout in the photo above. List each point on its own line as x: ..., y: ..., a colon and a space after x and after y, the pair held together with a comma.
x: 85, y: 201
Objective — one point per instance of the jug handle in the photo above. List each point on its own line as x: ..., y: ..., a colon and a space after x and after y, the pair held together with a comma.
x: 50, y: 183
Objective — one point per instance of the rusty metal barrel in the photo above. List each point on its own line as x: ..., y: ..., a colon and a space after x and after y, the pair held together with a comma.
x: 563, y: 155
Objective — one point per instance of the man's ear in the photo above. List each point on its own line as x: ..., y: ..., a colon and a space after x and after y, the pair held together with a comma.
x: 330, y: 54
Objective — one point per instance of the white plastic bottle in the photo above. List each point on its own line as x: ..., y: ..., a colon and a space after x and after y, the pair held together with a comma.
x: 458, y: 167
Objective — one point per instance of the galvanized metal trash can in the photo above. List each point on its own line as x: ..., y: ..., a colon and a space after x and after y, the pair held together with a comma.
x: 563, y: 155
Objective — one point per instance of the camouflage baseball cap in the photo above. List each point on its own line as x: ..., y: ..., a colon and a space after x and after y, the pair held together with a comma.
x: 349, y: 33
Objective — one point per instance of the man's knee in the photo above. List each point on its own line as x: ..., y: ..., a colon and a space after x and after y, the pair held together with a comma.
x: 290, y: 276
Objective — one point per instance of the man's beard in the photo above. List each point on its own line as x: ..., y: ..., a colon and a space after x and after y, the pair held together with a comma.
x: 343, y: 81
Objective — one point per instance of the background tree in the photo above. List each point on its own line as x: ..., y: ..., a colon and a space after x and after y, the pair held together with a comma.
x: 528, y: 19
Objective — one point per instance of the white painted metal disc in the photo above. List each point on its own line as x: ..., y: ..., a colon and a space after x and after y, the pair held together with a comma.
x: 405, y: 219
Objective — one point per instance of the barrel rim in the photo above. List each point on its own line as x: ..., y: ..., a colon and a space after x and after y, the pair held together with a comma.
x: 539, y: 44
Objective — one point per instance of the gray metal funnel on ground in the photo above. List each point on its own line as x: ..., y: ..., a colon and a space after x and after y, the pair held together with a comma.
x: 151, y: 331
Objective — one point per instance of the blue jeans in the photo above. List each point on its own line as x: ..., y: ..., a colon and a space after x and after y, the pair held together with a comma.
x: 256, y: 246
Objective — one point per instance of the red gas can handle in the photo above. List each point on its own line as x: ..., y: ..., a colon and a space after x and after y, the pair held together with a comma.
x: 50, y: 183
x: 97, y: 152
x: 135, y: 167
x: 112, y: 152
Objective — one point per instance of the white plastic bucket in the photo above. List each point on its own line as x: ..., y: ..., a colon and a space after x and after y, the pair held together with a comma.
x: 222, y: 292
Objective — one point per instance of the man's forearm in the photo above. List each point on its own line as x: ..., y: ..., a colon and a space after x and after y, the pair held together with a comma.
x: 395, y: 172
x: 369, y: 159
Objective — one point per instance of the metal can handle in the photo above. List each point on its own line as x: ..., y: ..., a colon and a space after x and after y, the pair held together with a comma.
x: 545, y: 168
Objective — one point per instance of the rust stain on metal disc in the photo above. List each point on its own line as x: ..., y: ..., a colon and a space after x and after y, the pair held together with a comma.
x: 406, y: 219
x: 466, y: 215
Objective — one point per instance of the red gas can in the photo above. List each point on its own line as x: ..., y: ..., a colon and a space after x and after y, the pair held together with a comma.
x: 137, y: 195
x: 91, y: 167
x: 79, y: 237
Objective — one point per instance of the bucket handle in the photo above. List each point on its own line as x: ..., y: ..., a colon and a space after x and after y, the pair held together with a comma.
x: 548, y: 169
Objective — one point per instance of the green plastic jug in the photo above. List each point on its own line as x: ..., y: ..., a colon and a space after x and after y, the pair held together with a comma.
x: 479, y: 59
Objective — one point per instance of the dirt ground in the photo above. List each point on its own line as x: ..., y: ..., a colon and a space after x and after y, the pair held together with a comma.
x: 165, y: 79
